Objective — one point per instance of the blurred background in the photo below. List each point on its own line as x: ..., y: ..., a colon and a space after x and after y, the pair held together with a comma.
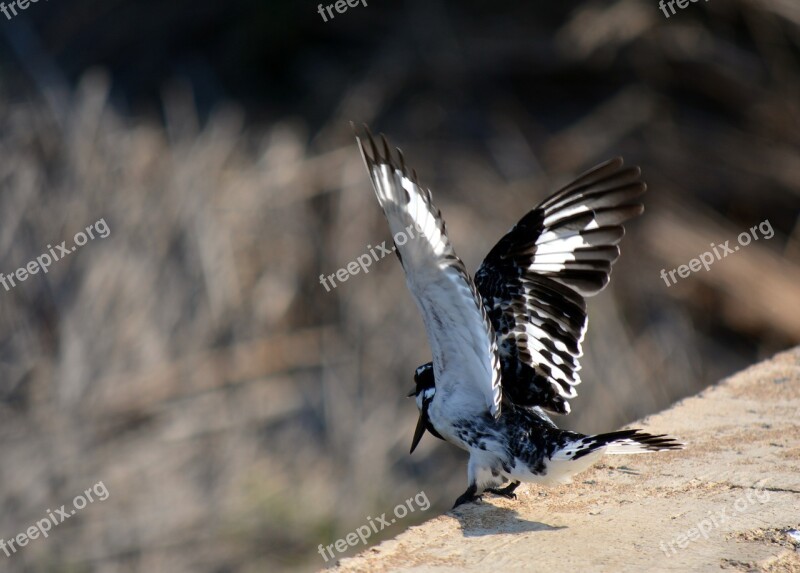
x: 238, y: 413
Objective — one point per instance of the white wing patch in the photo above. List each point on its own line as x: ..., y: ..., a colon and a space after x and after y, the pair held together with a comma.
x: 465, y: 358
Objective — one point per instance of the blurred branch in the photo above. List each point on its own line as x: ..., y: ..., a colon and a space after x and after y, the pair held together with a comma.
x: 142, y: 392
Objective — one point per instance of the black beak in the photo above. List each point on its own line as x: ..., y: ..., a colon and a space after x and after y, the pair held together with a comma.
x: 412, y: 393
x: 419, y: 431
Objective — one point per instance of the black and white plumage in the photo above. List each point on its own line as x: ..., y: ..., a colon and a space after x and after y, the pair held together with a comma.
x: 506, y: 346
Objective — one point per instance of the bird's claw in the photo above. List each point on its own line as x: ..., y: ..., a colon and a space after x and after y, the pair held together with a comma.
x: 506, y: 492
x: 502, y: 493
x: 467, y: 499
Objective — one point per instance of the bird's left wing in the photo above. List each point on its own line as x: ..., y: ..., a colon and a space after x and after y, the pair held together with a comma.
x: 535, y: 279
x: 459, y: 332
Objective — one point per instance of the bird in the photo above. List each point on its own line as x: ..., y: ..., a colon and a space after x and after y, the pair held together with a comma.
x: 506, y: 344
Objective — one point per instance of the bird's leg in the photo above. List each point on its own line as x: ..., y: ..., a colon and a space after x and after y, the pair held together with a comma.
x: 468, y: 496
x: 507, y: 492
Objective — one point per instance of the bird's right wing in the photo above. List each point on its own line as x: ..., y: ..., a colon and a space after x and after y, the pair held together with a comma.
x: 465, y: 361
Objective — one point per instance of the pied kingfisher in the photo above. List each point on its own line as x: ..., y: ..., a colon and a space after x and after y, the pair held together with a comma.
x: 506, y: 346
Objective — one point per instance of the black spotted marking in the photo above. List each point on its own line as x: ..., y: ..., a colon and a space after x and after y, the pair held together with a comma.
x: 524, y: 436
x: 530, y: 439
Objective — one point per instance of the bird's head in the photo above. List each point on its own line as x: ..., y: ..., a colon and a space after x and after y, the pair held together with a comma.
x: 423, y: 392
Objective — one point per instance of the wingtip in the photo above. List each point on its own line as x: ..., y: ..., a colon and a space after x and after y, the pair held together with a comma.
x: 364, y: 155
x: 402, y: 161
x: 375, y: 152
x: 373, y: 148
x: 360, y: 132
x: 386, y: 150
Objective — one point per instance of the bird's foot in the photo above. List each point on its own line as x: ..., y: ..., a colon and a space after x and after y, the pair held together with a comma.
x: 468, y: 496
x: 502, y: 493
x: 506, y: 492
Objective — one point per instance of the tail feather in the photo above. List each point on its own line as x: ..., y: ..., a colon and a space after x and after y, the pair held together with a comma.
x: 621, y: 442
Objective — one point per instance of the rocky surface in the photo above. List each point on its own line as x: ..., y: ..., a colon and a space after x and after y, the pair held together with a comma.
x: 729, y: 501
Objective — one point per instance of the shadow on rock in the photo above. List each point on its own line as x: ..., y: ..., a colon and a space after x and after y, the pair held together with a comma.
x: 487, y: 519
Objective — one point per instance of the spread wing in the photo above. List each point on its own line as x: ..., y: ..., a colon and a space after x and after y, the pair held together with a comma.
x: 465, y: 360
x: 533, y: 282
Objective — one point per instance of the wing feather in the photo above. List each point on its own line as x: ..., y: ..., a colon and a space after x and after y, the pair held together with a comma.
x: 465, y: 358
x: 534, y: 281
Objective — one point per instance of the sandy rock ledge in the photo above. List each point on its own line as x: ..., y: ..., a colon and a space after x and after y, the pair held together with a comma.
x: 723, y: 504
